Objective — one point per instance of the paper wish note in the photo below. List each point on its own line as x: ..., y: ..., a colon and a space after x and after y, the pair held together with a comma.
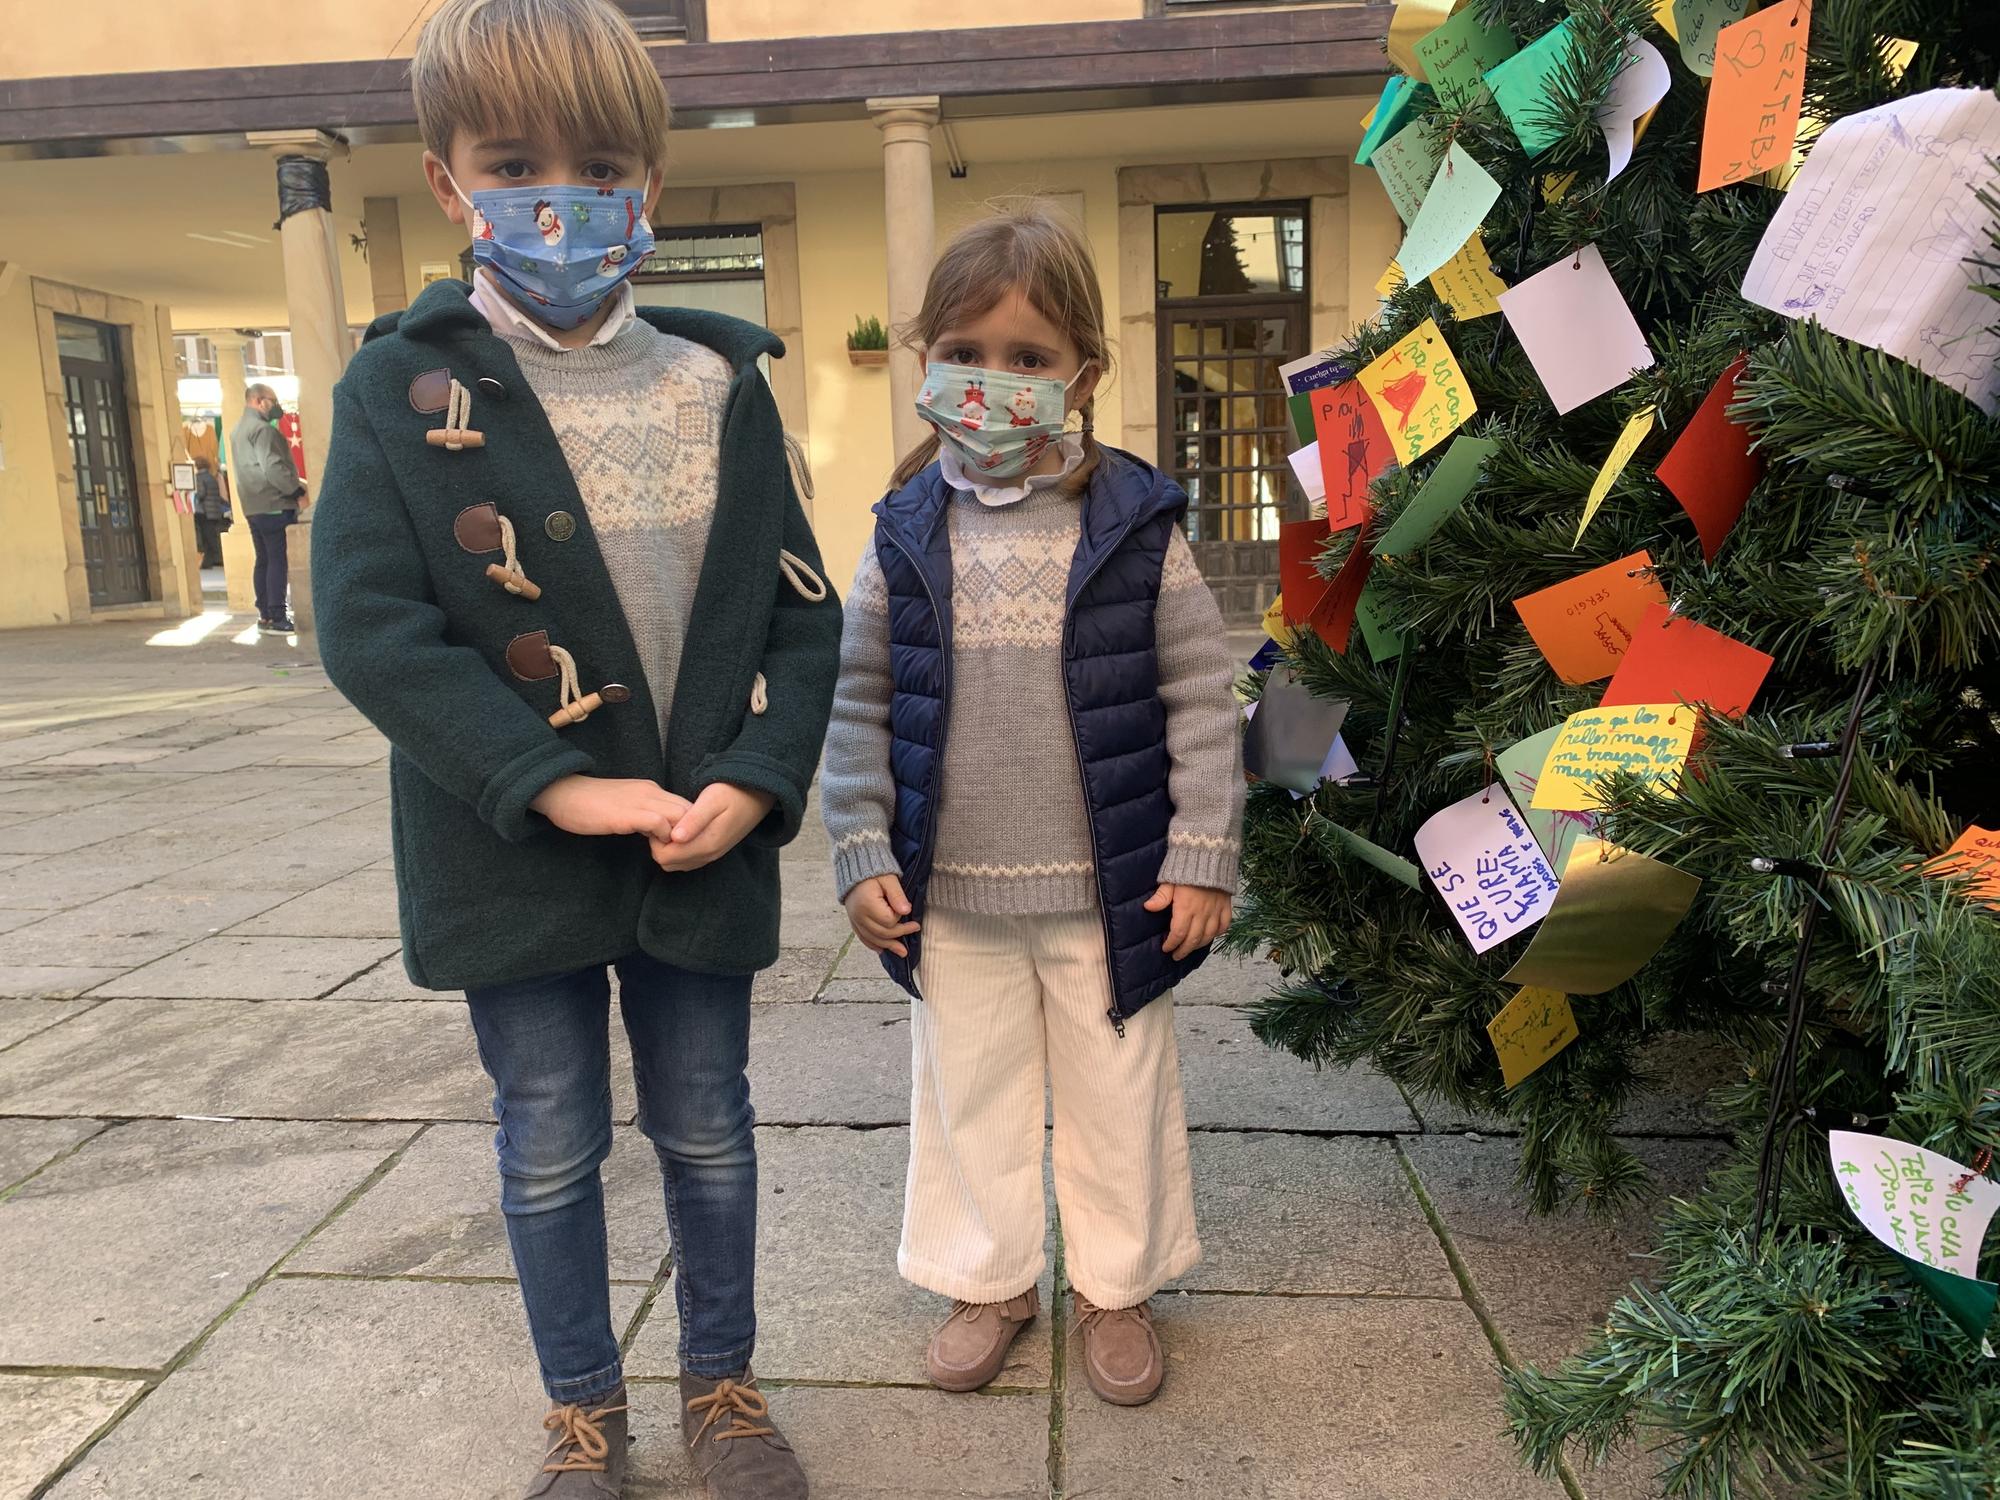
x: 1353, y: 450
x: 1696, y: 23
x: 1459, y: 53
x: 1444, y: 489
x: 1323, y: 367
x: 1383, y: 643
x: 1409, y: 24
x: 1674, y: 660
x: 1402, y: 99
x: 1710, y: 468
x: 1754, y: 98
x: 1389, y: 282
x: 1338, y: 765
x: 1333, y: 621
x: 1521, y: 86
x: 1614, y: 911
x: 1482, y: 859
x: 1584, y: 624
x: 1647, y: 740
x: 1299, y: 582
x: 1871, y: 240
x: 1532, y: 1028
x: 1974, y: 858
x: 1406, y: 163
x: 1291, y: 733
x: 1388, y: 862
x: 1520, y: 767
x: 1640, y: 85
x: 1621, y: 453
x: 1273, y: 624
x: 1306, y: 468
x: 1576, y: 328
x: 1466, y: 283
x: 1419, y: 391
x: 1933, y: 1212
x: 1460, y: 195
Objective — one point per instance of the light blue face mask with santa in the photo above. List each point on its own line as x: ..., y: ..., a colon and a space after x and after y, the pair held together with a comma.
x: 560, y: 251
x: 999, y: 422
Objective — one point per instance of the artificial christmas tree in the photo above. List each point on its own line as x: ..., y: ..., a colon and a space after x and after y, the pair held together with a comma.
x: 1827, y: 663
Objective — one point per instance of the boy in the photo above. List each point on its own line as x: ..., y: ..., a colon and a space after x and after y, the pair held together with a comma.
x: 561, y: 564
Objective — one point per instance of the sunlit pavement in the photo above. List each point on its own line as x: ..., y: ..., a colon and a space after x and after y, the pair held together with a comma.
x: 249, y: 1248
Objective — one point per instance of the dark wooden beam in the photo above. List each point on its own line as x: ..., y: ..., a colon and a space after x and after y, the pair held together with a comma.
x: 1311, y: 43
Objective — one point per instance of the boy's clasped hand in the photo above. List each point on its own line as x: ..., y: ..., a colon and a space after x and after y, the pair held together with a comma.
x: 682, y: 835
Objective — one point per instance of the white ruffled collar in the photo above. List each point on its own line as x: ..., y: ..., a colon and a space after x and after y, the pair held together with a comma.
x: 955, y: 476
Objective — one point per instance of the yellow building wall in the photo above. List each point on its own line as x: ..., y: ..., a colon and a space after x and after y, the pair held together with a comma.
x: 30, y: 517
x: 761, y: 20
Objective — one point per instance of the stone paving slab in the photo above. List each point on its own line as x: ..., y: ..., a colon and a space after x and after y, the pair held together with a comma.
x: 62, y: 880
x: 26, y: 1145
x: 341, y: 1389
x: 253, y: 968
x: 1235, y: 1082
x: 1291, y: 1213
x: 13, y: 917
x: 46, y: 1419
x: 297, y: 1059
x: 360, y: 905
x: 388, y: 981
x: 437, y: 1213
x: 831, y: 1306
x: 182, y: 1217
x: 797, y: 975
x: 830, y: 1065
x: 21, y: 1018
x: 880, y: 990
x: 131, y: 928
x: 1304, y: 1399
x: 51, y: 981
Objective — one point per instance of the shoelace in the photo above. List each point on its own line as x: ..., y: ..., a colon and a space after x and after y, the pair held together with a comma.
x: 1089, y: 1314
x: 580, y: 1440
x: 745, y: 1406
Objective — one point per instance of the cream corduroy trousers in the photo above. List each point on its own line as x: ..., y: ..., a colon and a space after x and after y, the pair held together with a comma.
x: 1008, y: 1002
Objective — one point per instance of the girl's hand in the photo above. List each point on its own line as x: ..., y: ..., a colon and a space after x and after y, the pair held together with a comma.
x: 721, y: 818
x: 604, y: 805
x: 1200, y: 916
x: 878, y: 911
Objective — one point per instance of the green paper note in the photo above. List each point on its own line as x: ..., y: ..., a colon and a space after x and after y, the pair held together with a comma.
x: 1455, y: 205
x: 1444, y: 489
x: 1968, y: 1303
x: 1520, y: 767
x: 1697, y: 22
x: 1301, y: 408
x: 1384, y: 644
x: 1406, y: 163
x: 1521, y: 87
x: 1402, y: 99
x: 1459, y: 53
x: 1392, y: 865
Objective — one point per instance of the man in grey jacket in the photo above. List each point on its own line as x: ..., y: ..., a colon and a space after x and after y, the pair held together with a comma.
x: 269, y: 494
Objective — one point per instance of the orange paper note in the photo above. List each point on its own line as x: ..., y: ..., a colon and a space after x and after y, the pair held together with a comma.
x: 1419, y: 391
x: 1974, y: 857
x: 1353, y: 449
x: 1299, y: 585
x: 1674, y: 660
x: 1710, y: 468
x: 1333, y: 620
x: 1753, y: 100
x: 1584, y: 624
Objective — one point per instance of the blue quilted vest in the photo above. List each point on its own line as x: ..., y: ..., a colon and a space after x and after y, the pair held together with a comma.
x: 1111, y: 667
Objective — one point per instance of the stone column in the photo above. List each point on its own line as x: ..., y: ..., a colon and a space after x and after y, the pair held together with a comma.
x: 318, y: 310
x: 238, y: 553
x: 911, y: 219
x: 382, y: 222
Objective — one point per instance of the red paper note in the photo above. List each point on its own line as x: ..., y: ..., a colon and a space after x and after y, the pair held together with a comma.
x: 1710, y: 469
x: 1299, y: 583
x: 1974, y: 856
x: 1753, y: 100
x: 1584, y: 624
x: 1333, y: 621
x: 1353, y: 449
x: 1672, y: 660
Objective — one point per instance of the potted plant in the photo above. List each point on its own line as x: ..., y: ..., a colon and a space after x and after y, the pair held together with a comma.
x: 869, y: 343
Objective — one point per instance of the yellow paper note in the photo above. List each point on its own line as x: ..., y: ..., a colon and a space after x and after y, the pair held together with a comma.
x: 1389, y: 282
x: 1413, y: 21
x: 1556, y: 186
x: 1650, y: 740
x: 1419, y: 391
x: 1663, y: 12
x: 1466, y: 283
x: 1369, y: 118
x: 1274, y: 622
x: 1621, y: 454
x: 1896, y: 56
x: 1534, y: 1026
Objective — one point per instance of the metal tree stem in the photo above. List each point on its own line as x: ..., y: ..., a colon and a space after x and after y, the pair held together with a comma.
x: 1784, y: 1115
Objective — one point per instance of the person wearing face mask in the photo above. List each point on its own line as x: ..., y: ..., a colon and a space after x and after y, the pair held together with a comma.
x: 270, y: 494
x: 1034, y: 790
x: 531, y: 483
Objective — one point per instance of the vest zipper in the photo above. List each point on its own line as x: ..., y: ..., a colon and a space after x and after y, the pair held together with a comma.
x: 944, y: 718
x: 1117, y: 1012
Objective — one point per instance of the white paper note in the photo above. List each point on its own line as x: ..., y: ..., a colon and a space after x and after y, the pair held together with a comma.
x: 1338, y: 765
x: 1457, y: 203
x: 1580, y: 336
x: 1640, y: 84
x: 1904, y: 1196
x: 1312, y: 478
x: 1487, y: 866
x: 1872, y: 238
x: 1310, y: 373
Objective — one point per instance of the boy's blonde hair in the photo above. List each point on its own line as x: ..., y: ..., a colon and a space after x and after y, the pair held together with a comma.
x: 574, y: 66
x: 1022, y: 245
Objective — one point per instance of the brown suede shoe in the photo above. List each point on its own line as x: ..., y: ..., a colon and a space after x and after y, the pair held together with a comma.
x: 971, y: 1346
x: 732, y: 1442
x: 1121, y: 1352
x: 587, y: 1459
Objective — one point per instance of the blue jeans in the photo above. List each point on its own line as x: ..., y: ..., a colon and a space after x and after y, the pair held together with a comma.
x: 271, y: 573
x: 546, y: 1045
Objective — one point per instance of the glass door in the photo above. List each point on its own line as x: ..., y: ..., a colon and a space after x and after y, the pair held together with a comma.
x: 100, y: 440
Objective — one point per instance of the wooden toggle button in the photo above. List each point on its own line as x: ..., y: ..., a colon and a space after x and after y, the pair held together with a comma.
x: 589, y: 703
x: 455, y: 438
x: 513, y: 583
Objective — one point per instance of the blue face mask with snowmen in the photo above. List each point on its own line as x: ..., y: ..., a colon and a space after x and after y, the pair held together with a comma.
x: 998, y: 422
x: 560, y: 251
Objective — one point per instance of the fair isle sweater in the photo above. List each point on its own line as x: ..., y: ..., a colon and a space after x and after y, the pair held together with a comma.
x: 1013, y: 833
x: 639, y: 420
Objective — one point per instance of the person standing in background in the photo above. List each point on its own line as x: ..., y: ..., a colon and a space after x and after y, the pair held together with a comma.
x: 212, y: 515
x: 271, y: 494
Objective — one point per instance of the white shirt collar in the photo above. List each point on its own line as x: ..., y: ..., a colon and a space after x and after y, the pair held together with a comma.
x: 510, y: 322
x: 954, y: 474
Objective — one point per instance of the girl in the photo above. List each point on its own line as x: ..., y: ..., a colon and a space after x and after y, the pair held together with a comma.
x: 1034, y: 791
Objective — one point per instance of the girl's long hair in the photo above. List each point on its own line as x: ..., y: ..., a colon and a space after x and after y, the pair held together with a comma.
x: 1044, y: 255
